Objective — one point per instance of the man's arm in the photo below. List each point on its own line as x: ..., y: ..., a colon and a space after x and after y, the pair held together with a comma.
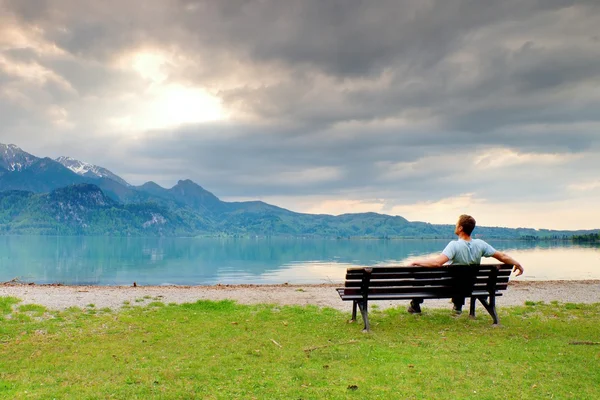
x: 506, y: 259
x: 437, y: 261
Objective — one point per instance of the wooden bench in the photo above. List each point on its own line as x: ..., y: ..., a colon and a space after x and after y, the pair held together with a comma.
x: 477, y: 282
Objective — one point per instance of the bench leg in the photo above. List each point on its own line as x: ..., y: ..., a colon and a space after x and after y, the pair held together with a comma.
x: 472, y: 307
x: 490, y: 307
x: 353, y: 311
x: 365, y: 314
x: 494, y: 314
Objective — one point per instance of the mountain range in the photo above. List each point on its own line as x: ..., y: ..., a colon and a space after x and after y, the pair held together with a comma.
x: 71, y: 197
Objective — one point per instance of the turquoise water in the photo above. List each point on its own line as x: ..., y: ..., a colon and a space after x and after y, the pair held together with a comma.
x: 190, y: 261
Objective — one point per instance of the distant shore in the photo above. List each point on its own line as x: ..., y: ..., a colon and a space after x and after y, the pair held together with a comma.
x: 58, y: 297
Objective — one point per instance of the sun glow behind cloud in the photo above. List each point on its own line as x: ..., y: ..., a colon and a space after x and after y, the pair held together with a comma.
x: 173, y: 105
x: 163, y: 103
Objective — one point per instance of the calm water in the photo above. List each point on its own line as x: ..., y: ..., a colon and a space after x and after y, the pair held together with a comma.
x: 188, y: 261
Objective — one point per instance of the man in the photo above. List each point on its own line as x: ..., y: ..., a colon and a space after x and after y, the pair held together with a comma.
x: 464, y: 251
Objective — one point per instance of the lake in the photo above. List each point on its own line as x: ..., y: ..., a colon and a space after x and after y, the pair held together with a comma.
x: 208, y: 261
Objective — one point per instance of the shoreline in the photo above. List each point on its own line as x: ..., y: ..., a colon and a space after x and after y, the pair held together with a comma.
x: 60, y: 297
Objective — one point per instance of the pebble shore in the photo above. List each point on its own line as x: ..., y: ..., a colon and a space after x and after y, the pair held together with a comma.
x: 58, y: 297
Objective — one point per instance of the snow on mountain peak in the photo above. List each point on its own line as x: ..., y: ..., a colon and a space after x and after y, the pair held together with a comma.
x: 79, y: 167
x: 14, y: 159
x: 89, y: 170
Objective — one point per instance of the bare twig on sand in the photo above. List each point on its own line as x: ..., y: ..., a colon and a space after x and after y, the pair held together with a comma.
x: 13, y: 280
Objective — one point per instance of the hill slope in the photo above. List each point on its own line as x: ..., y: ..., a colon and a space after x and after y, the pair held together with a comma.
x: 85, y: 210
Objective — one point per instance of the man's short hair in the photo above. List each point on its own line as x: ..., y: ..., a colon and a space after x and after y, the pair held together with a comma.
x: 467, y: 222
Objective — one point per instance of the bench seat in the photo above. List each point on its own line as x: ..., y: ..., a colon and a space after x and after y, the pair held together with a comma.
x: 477, y: 282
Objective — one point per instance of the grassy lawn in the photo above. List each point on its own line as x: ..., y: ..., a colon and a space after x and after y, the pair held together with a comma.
x: 223, y: 350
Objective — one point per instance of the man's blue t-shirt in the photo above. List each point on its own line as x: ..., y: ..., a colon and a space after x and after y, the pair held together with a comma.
x: 469, y: 253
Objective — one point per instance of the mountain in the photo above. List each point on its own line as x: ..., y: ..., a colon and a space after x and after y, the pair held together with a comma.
x: 183, y: 195
x: 41, y: 176
x: 123, y: 194
x: 12, y: 158
x: 186, y: 193
x: 20, y: 170
x: 89, y: 170
x: 196, y: 197
x: 153, y: 189
x: 84, y: 209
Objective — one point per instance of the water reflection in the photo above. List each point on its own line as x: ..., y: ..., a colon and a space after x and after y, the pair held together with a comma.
x: 188, y: 261
x: 560, y: 263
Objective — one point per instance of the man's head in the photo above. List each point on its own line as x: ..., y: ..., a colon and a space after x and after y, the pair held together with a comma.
x: 465, y: 224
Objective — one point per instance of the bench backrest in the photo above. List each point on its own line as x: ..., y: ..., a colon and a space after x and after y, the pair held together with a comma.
x: 443, y: 281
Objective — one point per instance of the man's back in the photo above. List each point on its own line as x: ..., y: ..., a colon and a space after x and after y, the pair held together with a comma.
x: 467, y: 252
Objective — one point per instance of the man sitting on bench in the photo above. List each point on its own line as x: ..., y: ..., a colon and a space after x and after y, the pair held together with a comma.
x: 465, y: 251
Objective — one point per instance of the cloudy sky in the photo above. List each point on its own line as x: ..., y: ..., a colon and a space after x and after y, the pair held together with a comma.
x: 420, y: 108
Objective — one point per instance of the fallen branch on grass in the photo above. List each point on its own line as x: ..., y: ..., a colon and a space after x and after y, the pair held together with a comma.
x: 308, y: 350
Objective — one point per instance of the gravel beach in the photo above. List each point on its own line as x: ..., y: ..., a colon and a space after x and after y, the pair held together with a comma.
x: 62, y: 297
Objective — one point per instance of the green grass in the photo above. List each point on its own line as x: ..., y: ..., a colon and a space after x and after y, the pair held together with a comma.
x: 222, y: 350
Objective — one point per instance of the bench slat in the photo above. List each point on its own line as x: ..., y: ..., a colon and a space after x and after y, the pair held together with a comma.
x: 441, y: 290
x: 433, y: 274
x: 410, y: 296
x: 412, y: 270
x: 418, y: 282
x: 430, y: 288
x: 420, y: 269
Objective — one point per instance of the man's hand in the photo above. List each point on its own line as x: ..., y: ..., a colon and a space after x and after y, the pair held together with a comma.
x: 506, y: 259
x: 518, y: 267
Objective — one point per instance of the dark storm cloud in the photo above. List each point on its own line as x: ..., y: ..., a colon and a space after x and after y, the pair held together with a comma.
x: 346, y: 96
x: 322, y: 47
x: 352, y: 37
